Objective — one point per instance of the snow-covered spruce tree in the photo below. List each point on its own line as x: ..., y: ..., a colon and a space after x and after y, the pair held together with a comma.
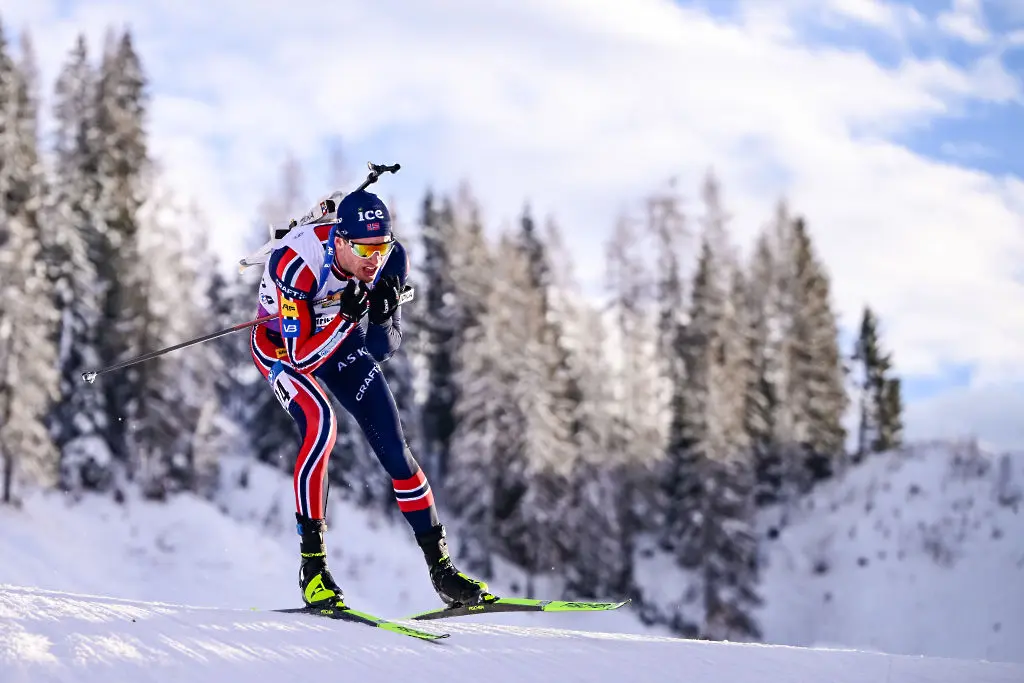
x: 232, y: 301
x: 491, y: 364
x: 667, y: 222
x: 817, y: 383
x: 801, y: 360
x: 596, y: 541
x: 438, y: 322
x: 890, y: 410
x: 689, y: 446
x: 177, y: 429
x: 28, y: 357
x: 880, y: 421
x: 761, y: 393
x: 548, y: 395
x: 482, y: 398
x: 638, y: 428
x: 729, y: 572
x: 710, y: 472
x: 121, y: 168
x: 78, y: 421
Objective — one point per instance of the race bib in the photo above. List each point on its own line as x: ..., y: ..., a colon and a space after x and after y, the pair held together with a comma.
x: 284, y: 388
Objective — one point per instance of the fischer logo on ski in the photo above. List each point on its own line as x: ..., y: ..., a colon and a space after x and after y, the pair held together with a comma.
x: 517, y: 605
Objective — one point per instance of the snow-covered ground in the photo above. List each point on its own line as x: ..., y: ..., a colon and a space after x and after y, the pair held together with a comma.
x: 942, y: 537
x: 920, y: 552
x: 241, y: 552
x: 87, y: 639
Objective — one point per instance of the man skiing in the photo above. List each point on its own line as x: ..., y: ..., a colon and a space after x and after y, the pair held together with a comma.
x: 336, y: 284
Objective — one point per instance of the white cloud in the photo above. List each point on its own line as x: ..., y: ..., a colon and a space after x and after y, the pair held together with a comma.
x: 893, y: 18
x: 966, y: 22
x: 582, y: 106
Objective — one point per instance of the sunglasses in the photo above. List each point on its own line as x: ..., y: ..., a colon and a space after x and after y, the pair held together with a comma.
x: 366, y: 250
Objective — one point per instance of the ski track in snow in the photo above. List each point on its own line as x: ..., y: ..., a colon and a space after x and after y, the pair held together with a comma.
x: 53, y: 636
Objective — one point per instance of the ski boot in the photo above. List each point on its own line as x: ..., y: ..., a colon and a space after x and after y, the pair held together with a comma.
x: 318, y: 586
x: 453, y: 587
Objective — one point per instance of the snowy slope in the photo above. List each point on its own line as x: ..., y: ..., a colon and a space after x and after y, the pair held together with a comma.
x: 919, y: 552
x: 62, y: 637
x: 240, y: 553
x: 942, y: 535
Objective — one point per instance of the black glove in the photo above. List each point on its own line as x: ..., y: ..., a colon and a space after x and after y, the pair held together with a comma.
x: 384, y: 299
x: 354, y: 300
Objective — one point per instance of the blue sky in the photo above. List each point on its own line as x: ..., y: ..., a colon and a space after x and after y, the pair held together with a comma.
x: 894, y: 127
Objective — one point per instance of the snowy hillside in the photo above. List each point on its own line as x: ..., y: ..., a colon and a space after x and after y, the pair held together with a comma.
x: 61, y: 637
x: 241, y: 554
x: 920, y: 552
x: 941, y: 535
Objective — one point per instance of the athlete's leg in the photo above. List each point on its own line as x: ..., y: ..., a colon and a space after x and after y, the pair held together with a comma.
x: 308, y: 405
x: 361, y: 389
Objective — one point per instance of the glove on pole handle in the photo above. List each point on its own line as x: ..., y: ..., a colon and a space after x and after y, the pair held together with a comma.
x: 90, y: 377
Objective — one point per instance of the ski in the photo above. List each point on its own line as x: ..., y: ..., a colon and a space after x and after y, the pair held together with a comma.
x: 357, y: 617
x: 517, y: 605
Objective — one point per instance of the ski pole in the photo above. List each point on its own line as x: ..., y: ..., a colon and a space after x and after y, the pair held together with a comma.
x: 90, y: 377
x: 258, y: 257
x: 375, y: 172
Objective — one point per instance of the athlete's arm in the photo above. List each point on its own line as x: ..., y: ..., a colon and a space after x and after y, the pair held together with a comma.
x: 296, y: 286
x: 383, y: 340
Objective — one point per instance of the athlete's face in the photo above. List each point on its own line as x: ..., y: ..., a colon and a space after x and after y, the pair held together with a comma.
x: 362, y: 257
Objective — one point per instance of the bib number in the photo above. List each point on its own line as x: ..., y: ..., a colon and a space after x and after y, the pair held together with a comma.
x: 284, y: 387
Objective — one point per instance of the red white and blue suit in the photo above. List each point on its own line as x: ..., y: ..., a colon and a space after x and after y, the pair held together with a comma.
x: 311, y: 350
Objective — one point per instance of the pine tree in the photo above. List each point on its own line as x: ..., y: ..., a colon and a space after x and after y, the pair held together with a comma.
x: 817, y: 383
x: 891, y: 411
x: 880, y: 420
x: 595, y: 540
x: 488, y: 474
x: 710, y: 472
x: 439, y: 322
x: 637, y: 424
x: 729, y: 573
x: 802, y: 363
x: 176, y: 432
x: 548, y: 395
x: 28, y: 378
x: 599, y: 539
x: 668, y: 224
x: 537, y: 262
x: 121, y: 168
x: 689, y: 443
x: 473, y: 478
x: 73, y: 242
x: 761, y: 393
